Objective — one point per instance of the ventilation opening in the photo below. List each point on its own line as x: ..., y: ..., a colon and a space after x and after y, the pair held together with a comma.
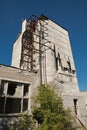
x: 11, y: 88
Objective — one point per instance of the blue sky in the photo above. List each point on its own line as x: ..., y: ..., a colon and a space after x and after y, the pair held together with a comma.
x: 71, y: 14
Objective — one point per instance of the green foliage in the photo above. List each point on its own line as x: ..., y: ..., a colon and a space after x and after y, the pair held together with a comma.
x: 40, y: 116
x: 50, y: 112
x: 24, y: 122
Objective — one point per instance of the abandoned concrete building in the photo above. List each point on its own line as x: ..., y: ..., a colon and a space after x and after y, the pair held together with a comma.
x: 41, y: 54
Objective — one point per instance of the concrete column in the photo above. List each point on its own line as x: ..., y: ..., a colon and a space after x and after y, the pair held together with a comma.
x: 5, y: 88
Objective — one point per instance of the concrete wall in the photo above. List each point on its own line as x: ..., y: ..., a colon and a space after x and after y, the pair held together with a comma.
x: 81, y: 108
x: 17, y: 47
x: 16, y: 55
x: 15, y: 74
x: 59, y: 40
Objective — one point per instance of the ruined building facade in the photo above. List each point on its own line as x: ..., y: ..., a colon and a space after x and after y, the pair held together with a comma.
x: 41, y: 54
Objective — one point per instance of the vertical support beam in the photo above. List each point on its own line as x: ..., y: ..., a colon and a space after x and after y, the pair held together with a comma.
x: 5, y: 88
x: 29, y: 99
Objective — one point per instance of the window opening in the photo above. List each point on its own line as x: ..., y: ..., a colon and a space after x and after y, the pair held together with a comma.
x: 2, y: 87
x: 25, y: 104
x: 11, y: 88
x: 13, y: 105
x: 1, y: 104
x: 26, y: 89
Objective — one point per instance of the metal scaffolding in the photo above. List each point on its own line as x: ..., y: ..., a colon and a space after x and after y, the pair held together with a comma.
x: 34, y: 45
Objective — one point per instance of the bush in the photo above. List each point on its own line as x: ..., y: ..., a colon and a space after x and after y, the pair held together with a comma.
x: 51, y: 114
x: 24, y: 122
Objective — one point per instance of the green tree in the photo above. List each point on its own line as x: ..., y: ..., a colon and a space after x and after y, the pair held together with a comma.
x: 50, y: 112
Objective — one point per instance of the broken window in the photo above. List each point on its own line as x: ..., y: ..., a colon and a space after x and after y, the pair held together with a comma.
x: 2, y: 99
x: 25, y: 104
x: 2, y: 87
x: 26, y: 88
x: 11, y: 88
x: 11, y: 101
x: 13, y: 105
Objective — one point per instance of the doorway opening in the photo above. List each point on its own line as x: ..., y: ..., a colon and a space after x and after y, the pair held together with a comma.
x: 75, y: 105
